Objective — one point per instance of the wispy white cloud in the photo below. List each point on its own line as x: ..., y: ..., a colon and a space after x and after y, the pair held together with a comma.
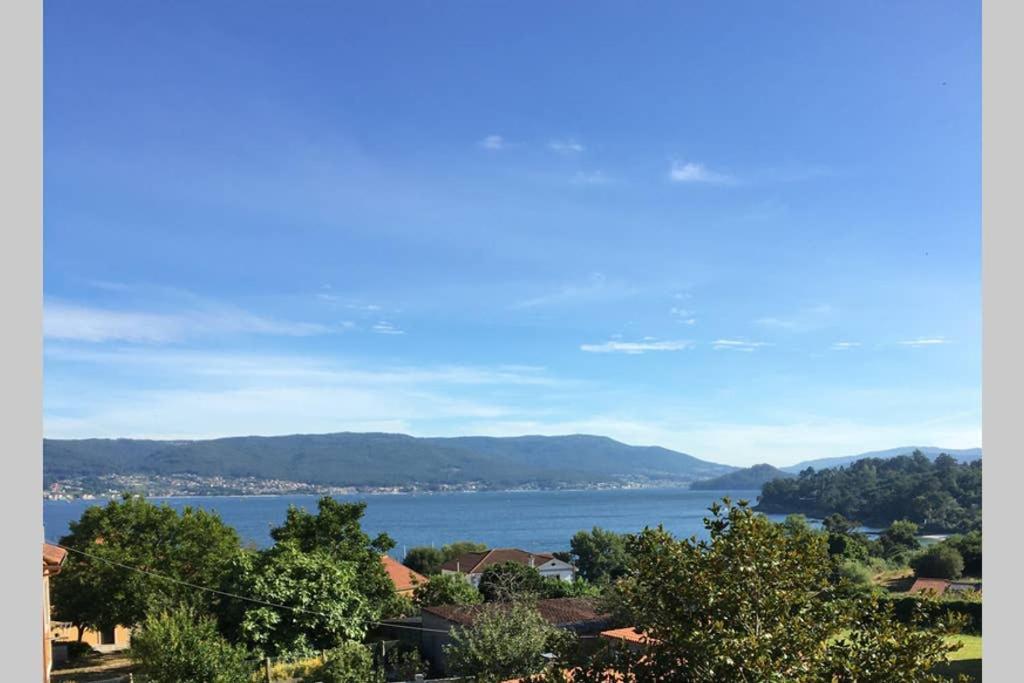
x: 492, y: 142
x: 682, y: 315
x: 804, y: 320
x: 597, y: 288
x: 924, y: 341
x: 66, y: 321
x: 569, y: 146
x: 637, y: 348
x: 736, y: 345
x: 845, y: 345
x: 385, y: 327
x: 692, y: 172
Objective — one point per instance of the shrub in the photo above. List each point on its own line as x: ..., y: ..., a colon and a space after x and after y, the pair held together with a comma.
x: 179, y: 646
x: 938, y: 562
x: 856, y: 573
x: 351, y: 662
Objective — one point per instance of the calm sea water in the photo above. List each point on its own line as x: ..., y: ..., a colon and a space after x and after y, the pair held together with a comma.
x: 534, y: 520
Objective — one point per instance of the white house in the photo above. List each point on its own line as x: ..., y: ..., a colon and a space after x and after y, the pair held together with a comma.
x: 472, y: 565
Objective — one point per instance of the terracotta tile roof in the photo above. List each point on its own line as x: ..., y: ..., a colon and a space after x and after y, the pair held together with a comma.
x: 937, y: 586
x: 555, y: 611
x: 53, y: 556
x: 628, y: 634
x: 474, y: 563
x: 404, y: 578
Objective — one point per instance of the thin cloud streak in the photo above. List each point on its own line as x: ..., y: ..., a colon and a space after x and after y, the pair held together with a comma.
x: 636, y: 348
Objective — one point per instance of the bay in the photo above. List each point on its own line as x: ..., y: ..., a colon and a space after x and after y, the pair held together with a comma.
x: 541, y: 521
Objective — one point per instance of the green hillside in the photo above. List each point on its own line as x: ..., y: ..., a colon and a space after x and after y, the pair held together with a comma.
x: 353, y: 459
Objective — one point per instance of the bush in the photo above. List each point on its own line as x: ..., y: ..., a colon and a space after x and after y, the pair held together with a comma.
x: 969, y: 547
x: 938, y: 562
x: 349, y: 663
x: 939, y: 610
x: 855, y: 572
x: 179, y: 646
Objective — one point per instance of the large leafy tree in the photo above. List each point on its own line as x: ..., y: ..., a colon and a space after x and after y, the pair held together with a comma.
x: 755, y: 602
x: 101, y: 585
x: 600, y: 555
x: 336, y: 531
x: 300, y: 602
x: 506, y: 640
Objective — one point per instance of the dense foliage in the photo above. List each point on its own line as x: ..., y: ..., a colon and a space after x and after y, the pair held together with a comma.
x: 943, y: 495
x: 938, y: 562
x: 506, y: 640
x: 757, y: 602
x: 599, y: 555
x: 184, y: 647
x: 100, y: 590
x: 446, y: 589
x: 349, y: 662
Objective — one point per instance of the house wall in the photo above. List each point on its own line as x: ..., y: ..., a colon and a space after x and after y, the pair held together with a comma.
x: 66, y: 631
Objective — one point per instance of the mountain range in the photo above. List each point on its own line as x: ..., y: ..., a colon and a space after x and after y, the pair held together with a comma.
x: 391, y: 460
x: 383, y: 460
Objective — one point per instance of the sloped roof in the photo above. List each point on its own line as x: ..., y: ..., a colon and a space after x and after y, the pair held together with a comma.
x: 404, y: 578
x: 476, y: 562
x: 555, y: 611
x: 937, y: 586
x: 628, y: 634
x: 53, y: 556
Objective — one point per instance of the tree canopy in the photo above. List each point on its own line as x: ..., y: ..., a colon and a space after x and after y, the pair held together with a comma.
x: 943, y: 495
x: 756, y: 602
x: 599, y: 555
x: 103, y: 588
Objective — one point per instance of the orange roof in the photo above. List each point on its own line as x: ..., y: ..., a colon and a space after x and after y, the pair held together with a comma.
x: 937, y: 586
x: 53, y: 557
x: 628, y: 634
x: 404, y: 578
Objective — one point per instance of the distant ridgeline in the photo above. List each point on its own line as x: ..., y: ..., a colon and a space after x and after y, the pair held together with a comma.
x: 382, y: 460
x: 943, y: 495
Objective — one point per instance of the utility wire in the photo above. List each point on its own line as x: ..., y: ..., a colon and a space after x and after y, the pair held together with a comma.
x: 245, y: 598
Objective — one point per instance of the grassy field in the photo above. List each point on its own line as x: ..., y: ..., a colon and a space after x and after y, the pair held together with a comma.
x: 967, y: 660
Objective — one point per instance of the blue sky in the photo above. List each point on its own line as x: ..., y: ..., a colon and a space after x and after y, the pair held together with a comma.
x: 750, y: 233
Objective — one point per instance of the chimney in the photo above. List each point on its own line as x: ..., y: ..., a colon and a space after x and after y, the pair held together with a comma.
x: 531, y: 559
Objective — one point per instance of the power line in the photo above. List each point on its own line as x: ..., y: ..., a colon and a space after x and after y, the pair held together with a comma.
x: 244, y: 598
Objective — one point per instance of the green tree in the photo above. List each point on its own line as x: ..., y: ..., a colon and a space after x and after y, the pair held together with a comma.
x: 322, y: 605
x: 969, y: 547
x: 425, y: 560
x: 349, y: 662
x: 752, y: 603
x: 446, y: 589
x: 506, y: 640
x: 939, y: 561
x: 182, y: 646
x: 336, y: 530
x: 600, y: 555
x: 899, y: 539
x: 103, y: 588
x: 510, y: 581
x: 428, y: 560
